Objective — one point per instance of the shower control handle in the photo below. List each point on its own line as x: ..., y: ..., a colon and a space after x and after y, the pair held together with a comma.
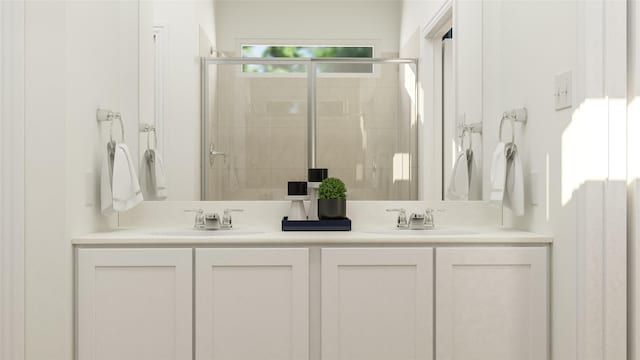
x: 213, y: 153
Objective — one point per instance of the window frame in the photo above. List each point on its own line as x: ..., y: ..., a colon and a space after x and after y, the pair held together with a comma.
x: 375, y: 73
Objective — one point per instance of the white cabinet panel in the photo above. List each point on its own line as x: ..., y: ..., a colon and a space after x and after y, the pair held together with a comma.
x: 377, y: 304
x: 134, y: 304
x: 252, y: 304
x: 491, y: 303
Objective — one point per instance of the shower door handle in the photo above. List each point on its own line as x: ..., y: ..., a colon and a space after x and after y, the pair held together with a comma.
x: 213, y: 153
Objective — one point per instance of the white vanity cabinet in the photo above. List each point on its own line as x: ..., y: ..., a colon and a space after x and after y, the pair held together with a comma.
x: 134, y: 304
x: 377, y: 303
x: 434, y: 302
x: 492, y: 303
x: 252, y: 304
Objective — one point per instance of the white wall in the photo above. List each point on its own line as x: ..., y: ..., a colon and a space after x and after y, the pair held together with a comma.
x: 12, y: 194
x: 525, y: 44
x: 75, y: 63
x: 521, y: 59
x: 568, y: 148
x: 306, y: 21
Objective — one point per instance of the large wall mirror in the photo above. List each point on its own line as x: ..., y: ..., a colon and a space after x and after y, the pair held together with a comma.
x: 238, y: 97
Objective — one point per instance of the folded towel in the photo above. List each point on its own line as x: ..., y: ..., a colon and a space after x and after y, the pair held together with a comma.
x: 475, y: 180
x: 106, y: 177
x: 498, y: 174
x: 152, y: 177
x: 125, y: 185
x: 514, y: 192
x: 459, y: 182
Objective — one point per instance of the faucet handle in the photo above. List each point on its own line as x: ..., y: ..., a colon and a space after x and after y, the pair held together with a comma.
x: 226, y: 211
x: 197, y: 211
x: 199, y: 221
x: 431, y: 210
x: 429, y: 218
x: 400, y: 210
x: 402, y: 221
x: 227, y: 221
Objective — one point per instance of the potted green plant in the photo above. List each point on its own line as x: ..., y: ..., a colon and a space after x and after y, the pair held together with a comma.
x: 332, y: 199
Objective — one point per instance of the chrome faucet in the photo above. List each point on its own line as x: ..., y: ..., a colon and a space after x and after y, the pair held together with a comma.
x: 415, y: 221
x: 401, y: 222
x: 227, y: 221
x: 205, y: 221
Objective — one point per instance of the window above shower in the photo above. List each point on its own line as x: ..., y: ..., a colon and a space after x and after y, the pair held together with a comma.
x: 308, y: 51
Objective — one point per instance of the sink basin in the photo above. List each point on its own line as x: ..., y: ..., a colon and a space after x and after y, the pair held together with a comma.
x: 434, y: 232
x: 204, y: 233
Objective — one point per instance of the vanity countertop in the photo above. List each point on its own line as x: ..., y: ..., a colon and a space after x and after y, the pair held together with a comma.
x: 186, y: 236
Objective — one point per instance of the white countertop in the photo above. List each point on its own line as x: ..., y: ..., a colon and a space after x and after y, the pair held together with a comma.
x: 181, y: 236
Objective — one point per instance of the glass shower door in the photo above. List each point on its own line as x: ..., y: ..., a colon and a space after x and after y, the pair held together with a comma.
x: 256, y: 138
x: 367, y: 131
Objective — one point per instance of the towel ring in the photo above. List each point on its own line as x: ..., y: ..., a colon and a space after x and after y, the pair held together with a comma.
x: 155, y: 138
x: 517, y: 115
x: 505, y: 116
x: 113, y: 117
x: 466, y: 130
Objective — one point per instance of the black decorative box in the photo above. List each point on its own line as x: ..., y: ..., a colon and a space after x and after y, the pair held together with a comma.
x: 316, y: 225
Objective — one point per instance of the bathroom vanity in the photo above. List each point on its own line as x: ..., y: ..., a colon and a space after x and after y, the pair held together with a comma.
x: 472, y: 293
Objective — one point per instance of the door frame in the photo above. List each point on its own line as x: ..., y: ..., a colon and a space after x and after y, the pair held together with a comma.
x: 12, y: 184
x: 430, y: 145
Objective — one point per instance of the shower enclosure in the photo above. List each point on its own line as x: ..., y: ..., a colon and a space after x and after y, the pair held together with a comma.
x: 266, y: 120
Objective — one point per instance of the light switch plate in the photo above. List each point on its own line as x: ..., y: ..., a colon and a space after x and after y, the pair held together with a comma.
x: 562, y: 91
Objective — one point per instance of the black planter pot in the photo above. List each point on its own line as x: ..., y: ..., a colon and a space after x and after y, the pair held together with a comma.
x: 332, y: 208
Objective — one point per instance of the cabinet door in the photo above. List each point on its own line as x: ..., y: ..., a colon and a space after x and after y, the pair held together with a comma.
x: 491, y: 303
x: 377, y: 304
x: 134, y: 304
x: 252, y: 304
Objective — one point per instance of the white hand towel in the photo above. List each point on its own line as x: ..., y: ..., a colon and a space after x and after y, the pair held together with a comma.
x: 152, y: 176
x: 145, y: 178
x: 514, y: 198
x: 106, y: 195
x: 475, y: 184
x: 160, y: 179
x: 459, y: 182
x: 498, y: 174
x: 125, y: 185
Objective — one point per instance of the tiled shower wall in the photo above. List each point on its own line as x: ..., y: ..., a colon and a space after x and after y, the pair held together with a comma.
x: 366, y: 133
